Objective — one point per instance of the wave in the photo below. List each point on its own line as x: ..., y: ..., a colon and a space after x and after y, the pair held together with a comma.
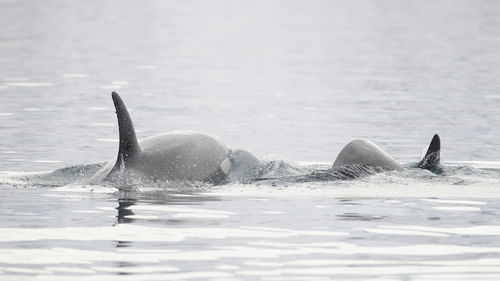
x: 271, y: 172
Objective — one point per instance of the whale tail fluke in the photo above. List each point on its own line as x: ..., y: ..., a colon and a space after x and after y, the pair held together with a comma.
x: 432, y: 156
x: 129, y: 146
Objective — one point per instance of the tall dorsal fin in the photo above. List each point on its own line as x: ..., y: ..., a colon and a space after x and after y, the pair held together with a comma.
x: 432, y: 155
x: 129, y: 147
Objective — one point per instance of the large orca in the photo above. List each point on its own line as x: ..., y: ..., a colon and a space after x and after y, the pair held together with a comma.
x: 177, y: 155
x: 364, y: 153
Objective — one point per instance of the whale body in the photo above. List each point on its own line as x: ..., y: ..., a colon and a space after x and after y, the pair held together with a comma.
x: 172, y: 156
x: 365, y: 153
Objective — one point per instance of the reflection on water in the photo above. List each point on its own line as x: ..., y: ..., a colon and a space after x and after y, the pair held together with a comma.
x: 124, y: 213
x: 147, y: 234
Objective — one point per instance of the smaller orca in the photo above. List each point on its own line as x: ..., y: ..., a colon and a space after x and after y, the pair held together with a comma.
x: 364, y: 153
x: 361, y: 158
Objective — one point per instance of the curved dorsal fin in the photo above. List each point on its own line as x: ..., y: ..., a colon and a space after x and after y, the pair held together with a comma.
x: 129, y: 147
x: 432, y: 155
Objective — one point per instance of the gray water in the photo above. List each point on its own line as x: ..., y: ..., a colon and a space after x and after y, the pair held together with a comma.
x: 290, y: 81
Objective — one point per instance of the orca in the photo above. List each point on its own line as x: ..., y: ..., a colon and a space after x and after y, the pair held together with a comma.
x: 361, y: 158
x: 365, y: 153
x: 172, y: 156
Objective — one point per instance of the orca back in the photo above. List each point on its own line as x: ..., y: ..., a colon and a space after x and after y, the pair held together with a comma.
x: 365, y: 153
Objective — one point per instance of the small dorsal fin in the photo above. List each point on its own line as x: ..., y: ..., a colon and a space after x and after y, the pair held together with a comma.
x: 129, y: 147
x: 432, y: 155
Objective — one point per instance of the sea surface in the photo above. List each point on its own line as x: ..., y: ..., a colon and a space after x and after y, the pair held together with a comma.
x: 291, y: 81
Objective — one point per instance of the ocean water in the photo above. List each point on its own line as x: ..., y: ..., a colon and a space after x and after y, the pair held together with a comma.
x: 292, y: 82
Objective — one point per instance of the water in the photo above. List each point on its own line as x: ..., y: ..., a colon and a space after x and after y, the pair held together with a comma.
x: 290, y: 81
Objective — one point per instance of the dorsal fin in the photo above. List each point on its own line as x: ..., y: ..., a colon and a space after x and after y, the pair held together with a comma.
x: 432, y: 155
x: 129, y: 147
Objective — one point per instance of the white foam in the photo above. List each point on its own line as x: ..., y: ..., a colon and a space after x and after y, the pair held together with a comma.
x: 85, y: 188
x: 361, y: 189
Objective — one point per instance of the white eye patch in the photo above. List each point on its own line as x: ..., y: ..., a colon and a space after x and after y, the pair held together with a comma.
x: 225, y: 166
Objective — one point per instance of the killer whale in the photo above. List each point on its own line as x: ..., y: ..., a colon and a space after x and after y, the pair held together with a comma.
x: 361, y: 158
x: 172, y: 156
x: 365, y: 153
